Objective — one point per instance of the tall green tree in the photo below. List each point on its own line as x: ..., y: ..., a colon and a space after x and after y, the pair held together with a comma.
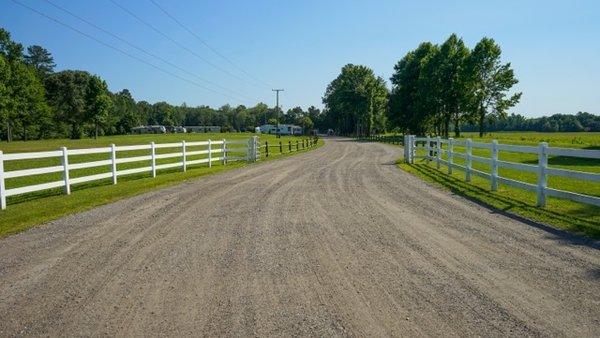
x: 453, y: 84
x: 415, y: 96
x: 356, y: 101
x: 40, y: 59
x: 67, y: 91
x: 22, y: 102
x: 98, y: 104
x: 490, y: 81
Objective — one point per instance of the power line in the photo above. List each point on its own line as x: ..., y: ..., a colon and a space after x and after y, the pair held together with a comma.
x: 120, y: 50
x: 144, y: 51
x: 178, y: 44
x: 207, y: 45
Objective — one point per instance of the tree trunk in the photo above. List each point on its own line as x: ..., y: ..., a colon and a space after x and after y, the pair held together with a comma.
x: 96, y: 132
x: 8, y: 132
x: 481, y: 125
x: 456, y: 128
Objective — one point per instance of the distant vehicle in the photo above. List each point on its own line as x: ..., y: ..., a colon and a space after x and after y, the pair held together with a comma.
x: 154, y: 129
x: 179, y: 129
x: 330, y: 132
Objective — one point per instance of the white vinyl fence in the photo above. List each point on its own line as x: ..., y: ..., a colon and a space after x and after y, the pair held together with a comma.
x: 212, y: 150
x: 434, y: 149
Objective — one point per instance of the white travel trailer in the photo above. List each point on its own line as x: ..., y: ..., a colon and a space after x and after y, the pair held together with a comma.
x: 155, y: 129
x: 281, y: 129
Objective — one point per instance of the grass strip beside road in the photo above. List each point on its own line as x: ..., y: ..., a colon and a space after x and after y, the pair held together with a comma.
x: 563, y: 214
x: 44, y: 206
x: 559, y: 213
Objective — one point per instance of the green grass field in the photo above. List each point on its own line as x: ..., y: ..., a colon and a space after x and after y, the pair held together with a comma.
x: 561, y: 213
x: 30, y: 209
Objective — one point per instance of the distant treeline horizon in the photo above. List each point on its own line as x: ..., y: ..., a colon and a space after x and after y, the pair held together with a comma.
x: 579, y: 122
x: 38, y: 103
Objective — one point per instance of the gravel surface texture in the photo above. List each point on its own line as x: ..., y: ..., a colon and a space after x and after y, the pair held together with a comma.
x: 333, y: 242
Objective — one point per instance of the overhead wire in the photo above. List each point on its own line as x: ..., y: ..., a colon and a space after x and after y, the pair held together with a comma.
x: 177, y: 43
x: 132, y: 45
x: 191, y: 32
x: 122, y: 51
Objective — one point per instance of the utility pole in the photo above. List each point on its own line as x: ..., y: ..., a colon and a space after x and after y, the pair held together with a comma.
x: 277, y: 108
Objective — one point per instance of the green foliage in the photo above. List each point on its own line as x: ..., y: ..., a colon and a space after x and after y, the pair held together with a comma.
x: 36, y: 102
x: 489, y: 82
x: 356, y: 101
x: 582, y: 121
x: 434, y: 86
x: 40, y: 59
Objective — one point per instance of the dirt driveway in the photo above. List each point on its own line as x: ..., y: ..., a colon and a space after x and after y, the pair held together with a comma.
x: 334, y: 242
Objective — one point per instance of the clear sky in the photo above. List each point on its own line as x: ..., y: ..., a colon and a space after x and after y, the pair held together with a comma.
x: 554, y: 46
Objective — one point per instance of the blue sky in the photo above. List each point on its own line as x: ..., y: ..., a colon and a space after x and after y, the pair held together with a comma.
x: 554, y: 46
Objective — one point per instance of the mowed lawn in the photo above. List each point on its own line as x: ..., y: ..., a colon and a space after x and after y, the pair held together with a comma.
x: 565, y: 214
x: 27, y: 210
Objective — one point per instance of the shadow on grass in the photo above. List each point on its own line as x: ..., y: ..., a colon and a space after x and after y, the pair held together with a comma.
x: 507, y: 206
x: 568, y: 161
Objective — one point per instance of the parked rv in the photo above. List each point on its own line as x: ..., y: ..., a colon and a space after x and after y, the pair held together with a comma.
x: 281, y: 129
x: 176, y: 129
x: 155, y: 129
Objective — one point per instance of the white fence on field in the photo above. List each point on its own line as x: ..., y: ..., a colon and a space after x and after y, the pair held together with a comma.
x: 213, y: 150
x: 434, y: 149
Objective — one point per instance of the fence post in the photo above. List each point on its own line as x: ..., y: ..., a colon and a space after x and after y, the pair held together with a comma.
x: 406, y: 149
x: 494, y: 170
x: 153, y: 154
x: 65, y: 164
x: 250, y: 151
x: 297, y: 145
x: 113, y: 157
x: 183, y: 156
x: 438, y: 151
x: 255, y: 148
x: 468, y: 160
x: 450, y: 154
x: 290, y: 146
x: 209, y: 153
x: 542, y: 181
x: 427, y: 149
x: 2, y: 183
x: 224, y: 153
x: 280, y: 147
x: 266, y: 148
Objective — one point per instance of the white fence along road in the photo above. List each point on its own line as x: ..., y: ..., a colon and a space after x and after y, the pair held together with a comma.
x: 433, y: 152
x: 213, y: 150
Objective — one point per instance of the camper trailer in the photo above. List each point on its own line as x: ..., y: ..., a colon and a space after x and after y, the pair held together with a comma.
x: 176, y: 129
x: 155, y: 129
x: 281, y: 129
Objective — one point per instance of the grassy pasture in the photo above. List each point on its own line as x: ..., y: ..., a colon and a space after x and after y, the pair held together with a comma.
x: 565, y: 214
x: 26, y: 210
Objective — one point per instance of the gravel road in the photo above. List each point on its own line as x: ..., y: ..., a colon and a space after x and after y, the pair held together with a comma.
x: 334, y: 242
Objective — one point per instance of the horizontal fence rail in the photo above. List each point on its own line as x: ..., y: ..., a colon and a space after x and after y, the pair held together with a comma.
x: 272, y: 149
x: 433, y: 148
x: 222, y: 151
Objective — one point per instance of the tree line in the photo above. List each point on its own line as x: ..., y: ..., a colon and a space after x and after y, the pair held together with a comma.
x: 435, y: 89
x: 582, y: 121
x: 37, y: 102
